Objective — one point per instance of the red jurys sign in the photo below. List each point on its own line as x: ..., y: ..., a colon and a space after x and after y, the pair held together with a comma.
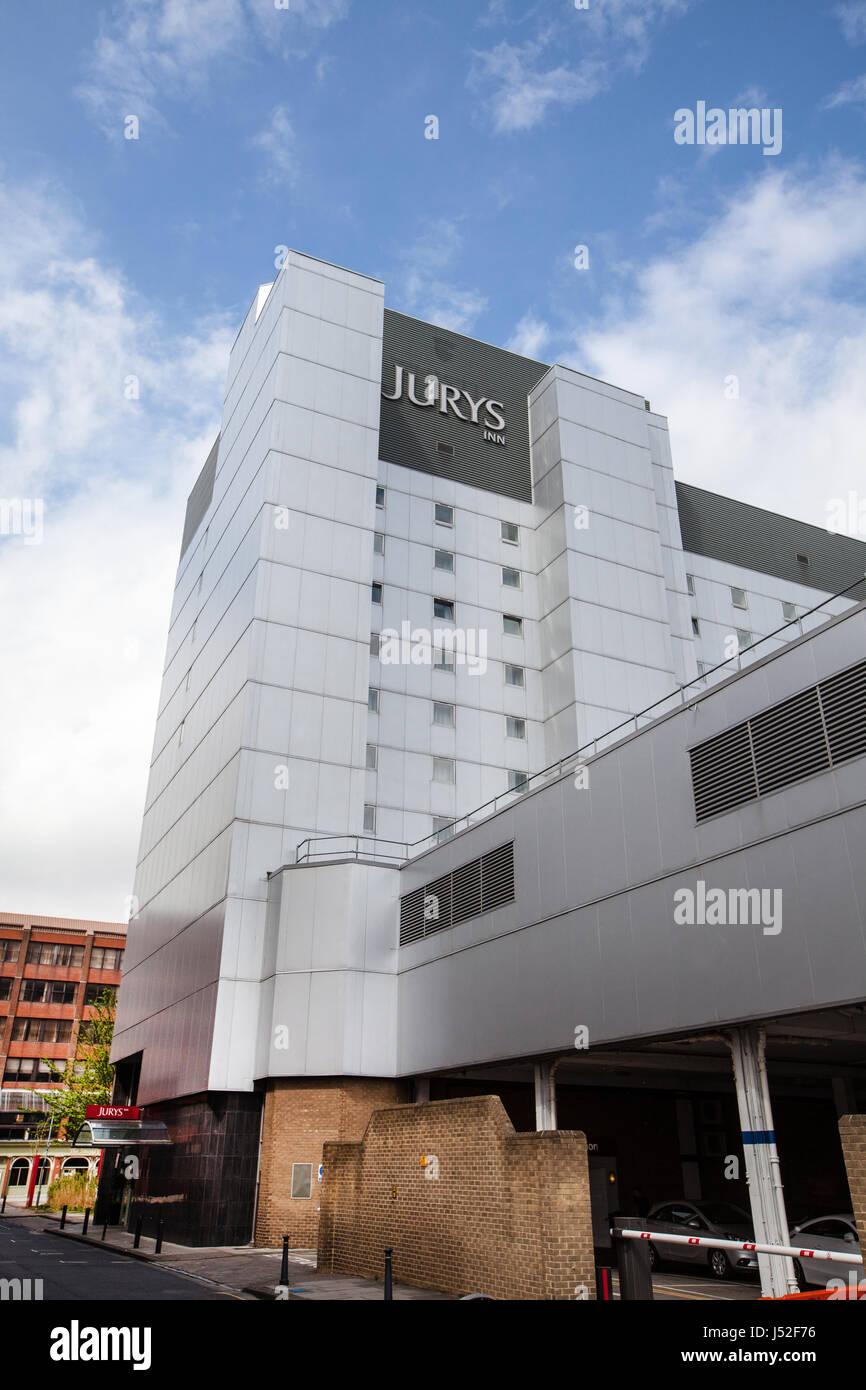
x: 112, y: 1112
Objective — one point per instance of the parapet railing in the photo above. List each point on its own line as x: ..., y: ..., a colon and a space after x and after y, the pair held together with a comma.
x: 571, y: 762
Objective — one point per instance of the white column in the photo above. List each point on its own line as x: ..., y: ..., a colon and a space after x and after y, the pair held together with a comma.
x: 763, y: 1173
x: 545, y: 1095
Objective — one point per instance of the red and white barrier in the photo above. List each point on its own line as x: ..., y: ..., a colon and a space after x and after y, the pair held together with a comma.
x: 719, y: 1244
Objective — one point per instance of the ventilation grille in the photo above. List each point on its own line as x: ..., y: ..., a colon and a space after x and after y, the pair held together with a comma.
x: 811, y: 732
x: 481, y: 886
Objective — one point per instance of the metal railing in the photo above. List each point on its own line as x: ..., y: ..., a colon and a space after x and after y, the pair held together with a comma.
x: 572, y: 762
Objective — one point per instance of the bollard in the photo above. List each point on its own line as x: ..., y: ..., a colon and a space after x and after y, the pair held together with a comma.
x: 137, y: 1240
x: 389, y: 1290
x: 63, y: 1217
x: 157, y: 1249
x: 284, y: 1263
x: 633, y: 1261
x: 3, y: 1204
x: 86, y: 1220
x: 104, y: 1227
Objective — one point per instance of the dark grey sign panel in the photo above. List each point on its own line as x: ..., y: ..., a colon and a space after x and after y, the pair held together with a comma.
x: 455, y: 407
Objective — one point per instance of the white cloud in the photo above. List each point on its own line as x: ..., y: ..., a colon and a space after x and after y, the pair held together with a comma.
x: 530, y: 337
x: 84, y: 612
x: 424, y: 286
x: 152, y: 51
x: 849, y: 94
x: 764, y: 295
x: 521, y: 84
x: 852, y: 17
x: 277, y: 143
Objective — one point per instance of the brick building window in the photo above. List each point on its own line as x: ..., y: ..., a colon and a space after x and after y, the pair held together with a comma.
x: 54, y: 953
x: 302, y: 1179
x: 106, y: 958
x: 48, y: 992
x: 9, y: 950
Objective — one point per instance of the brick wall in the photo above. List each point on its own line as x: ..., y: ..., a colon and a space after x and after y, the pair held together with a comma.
x: 300, y: 1116
x: 508, y: 1214
x: 852, y: 1132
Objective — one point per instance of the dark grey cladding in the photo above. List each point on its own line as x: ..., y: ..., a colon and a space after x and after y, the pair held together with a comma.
x: 410, y: 434
x: 200, y: 498
x: 754, y: 539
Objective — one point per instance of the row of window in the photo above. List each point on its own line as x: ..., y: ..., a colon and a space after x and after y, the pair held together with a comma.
x: 443, y: 515
x: 514, y: 676
x: 30, y: 1069
x: 740, y: 599
x: 444, y: 560
x: 60, y: 953
x: 743, y: 636
x: 445, y: 716
x: 50, y: 991
x: 444, y: 770
x: 46, y: 1030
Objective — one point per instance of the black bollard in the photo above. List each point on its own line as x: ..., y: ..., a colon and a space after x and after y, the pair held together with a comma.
x: 86, y: 1220
x: 63, y: 1217
x: 389, y: 1289
x: 633, y: 1261
x: 284, y: 1263
x: 104, y: 1227
x: 3, y: 1204
x: 138, y: 1225
x: 157, y: 1249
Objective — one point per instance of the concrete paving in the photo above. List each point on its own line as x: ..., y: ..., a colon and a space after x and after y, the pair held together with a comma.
x: 249, y: 1269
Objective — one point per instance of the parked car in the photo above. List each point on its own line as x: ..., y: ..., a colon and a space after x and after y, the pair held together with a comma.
x: 687, y: 1218
x: 838, y: 1232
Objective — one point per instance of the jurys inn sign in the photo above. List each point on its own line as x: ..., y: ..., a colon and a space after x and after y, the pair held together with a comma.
x: 436, y: 394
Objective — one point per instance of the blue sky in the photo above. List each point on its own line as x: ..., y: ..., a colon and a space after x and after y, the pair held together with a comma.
x: 304, y: 126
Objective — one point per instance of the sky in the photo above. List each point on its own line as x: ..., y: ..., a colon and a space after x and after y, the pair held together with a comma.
x: 156, y: 154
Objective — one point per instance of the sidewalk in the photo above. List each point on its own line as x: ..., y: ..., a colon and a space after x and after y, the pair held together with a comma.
x: 244, y: 1267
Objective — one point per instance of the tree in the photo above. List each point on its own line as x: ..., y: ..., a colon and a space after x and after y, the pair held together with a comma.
x: 88, y: 1078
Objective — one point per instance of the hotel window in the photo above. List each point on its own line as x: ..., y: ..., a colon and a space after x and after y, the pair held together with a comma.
x: 372, y: 757
x: 510, y: 578
x: 106, y: 958
x: 376, y: 593
x: 443, y: 608
x: 373, y: 700
x: 696, y: 627
x: 443, y: 514
x: 703, y: 668
x: 9, y: 950
x: 443, y: 769
x: 514, y: 675
x: 380, y: 497
x: 54, y: 953
x: 302, y: 1180
x: 378, y: 543
x: 738, y: 597
x: 370, y: 819
x: 744, y: 638
x: 443, y: 659
x: 512, y: 625
x: 443, y: 714
x: 374, y: 643
x: 443, y: 560
x: 690, y: 584
x: 514, y: 728
x: 517, y: 781
x: 509, y: 532
x: 443, y: 828
x: 789, y: 612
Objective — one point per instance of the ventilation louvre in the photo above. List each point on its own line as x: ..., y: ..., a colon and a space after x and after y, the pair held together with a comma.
x: 809, y: 733
x: 479, y: 886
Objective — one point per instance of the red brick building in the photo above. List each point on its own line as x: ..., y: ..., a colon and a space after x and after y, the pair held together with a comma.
x: 51, y: 970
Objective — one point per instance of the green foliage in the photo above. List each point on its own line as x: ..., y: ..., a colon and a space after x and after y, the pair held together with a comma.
x: 88, y: 1078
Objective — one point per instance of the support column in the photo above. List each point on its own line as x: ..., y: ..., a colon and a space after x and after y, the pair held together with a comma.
x: 763, y: 1172
x: 421, y: 1090
x: 545, y: 1095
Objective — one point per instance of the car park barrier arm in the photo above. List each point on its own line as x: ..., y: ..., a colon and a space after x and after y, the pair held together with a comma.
x: 753, y: 1247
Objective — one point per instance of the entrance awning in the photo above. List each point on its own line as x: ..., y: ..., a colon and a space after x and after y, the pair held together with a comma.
x: 120, y: 1134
